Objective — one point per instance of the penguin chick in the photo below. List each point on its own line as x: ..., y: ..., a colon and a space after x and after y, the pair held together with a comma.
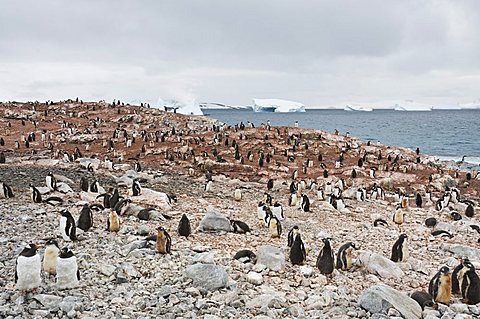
x: 184, y: 228
x: 68, y: 274
x: 164, y: 241
x: 50, y: 257
x: 28, y: 269
x: 275, y: 227
x: 113, y: 221
x: 440, y: 287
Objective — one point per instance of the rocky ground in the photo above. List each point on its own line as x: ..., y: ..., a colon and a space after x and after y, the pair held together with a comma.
x: 123, y: 277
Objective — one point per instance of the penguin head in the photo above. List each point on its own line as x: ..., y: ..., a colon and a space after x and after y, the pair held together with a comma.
x: 66, y: 253
x: 52, y: 241
x: 29, y: 250
x: 467, y: 264
x: 444, y: 270
x: 403, y: 236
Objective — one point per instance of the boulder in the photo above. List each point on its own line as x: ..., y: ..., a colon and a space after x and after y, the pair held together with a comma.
x: 272, y: 257
x: 214, y: 222
x: 463, y: 251
x: 207, y: 276
x: 378, y: 265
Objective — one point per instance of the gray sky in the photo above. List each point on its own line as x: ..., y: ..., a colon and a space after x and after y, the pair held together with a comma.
x: 315, y: 52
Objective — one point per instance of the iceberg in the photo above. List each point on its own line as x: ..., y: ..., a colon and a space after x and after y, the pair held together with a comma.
x: 357, y: 108
x: 277, y: 105
x: 412, y: 106
x: 447, y: 107
x: 186, y: 108
x: 470, y: 106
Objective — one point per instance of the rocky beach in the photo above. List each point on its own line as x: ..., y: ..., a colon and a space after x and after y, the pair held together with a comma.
x: 172, y: 156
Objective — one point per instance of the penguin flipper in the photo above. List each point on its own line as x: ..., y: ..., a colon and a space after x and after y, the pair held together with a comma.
x: 108, y: 224
x: 78, y: 274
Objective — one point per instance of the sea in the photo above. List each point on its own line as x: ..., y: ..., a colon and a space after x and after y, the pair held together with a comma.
x: 446, y: 134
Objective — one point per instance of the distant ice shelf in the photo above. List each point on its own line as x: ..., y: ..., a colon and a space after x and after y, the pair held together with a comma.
x: 357, y: 108
x: 412, y: 107
x: 277, y: 105
x: 186, y: 108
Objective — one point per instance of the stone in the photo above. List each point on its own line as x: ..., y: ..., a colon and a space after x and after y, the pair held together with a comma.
x: 143, y: 230
x: 267, y: 300
x: 48, y: 301
x: 459, y: 308
x: 214, y: 222
x: 272, y: 257
x: 204, y: 258
x: 380, y: 298
x: 207, y: 276
x: 254, y: 278
x: 307, y: 271
x: 296, y: 311
x: 107, y: 270
x: 463, y: 251
x: 379, y: 265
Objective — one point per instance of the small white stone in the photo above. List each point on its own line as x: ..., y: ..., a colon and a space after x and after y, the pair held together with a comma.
x: 307, y: 271
x: 254, y: 278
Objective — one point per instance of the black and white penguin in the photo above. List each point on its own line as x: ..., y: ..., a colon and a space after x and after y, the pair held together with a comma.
x: 457, y: 276
x: 293, y: 187
x: 423, y: 298
x: 6, y: 191
x: 36, y: 195
x: 354, y: 173
x: 274, y: 226
x: 184, y: 228
x: 455, y: 216
x: 326, y: 260
x: 68, y: 274
x: 292, y: 234
x: 261, y: 211
x: 400, y: 249
x: 28, y: 269
x: 2, y: 158
x: 84, y: 184
x: 441, y: 233
x: 360, y: 194
x: 246, y: 256
x: 208, y: 186
x: 293, y: 200
x: 68, y: 229
x: 50, y: 257
x: 95, y: 187
x: 305, y: 203
x: 136, y: 188
x: 277, y: 211
x: 380, y: 222
x: 431, y: 222
x: 113, y: 221
x: 85, y: 220
x: 320, y: 194
x: 164, y: 241
x: 372, y: 172
x: 267, y: 198
x: 137, y: 167
x: 51, y: 182
x: 239, y: 227
x: 418, y: 200
x: 298, y: 254
x: 469, y: 211
x: 470, y: 285
x: 113, y: 199
x: 337, y: 203
x: 440, y: 286
x: 122, y: 206
x: 270, y: 184
x: 344, y: 256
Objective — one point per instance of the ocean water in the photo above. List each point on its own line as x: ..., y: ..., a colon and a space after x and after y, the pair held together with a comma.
x: 447, y: 134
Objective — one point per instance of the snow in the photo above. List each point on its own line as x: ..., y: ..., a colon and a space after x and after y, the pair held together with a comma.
x: 277, y: 105
x: 471, y: 105
x: 412, y: 106
x: 188, y: 108
x: 447, y: 107
x: 357, y: 108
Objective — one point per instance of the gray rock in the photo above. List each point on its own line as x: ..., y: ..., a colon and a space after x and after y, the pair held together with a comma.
x: 214, y: 222
x: 48, y: 301
x: 106, y: 270
x: 268, y: 300
x: 459, y: 308
x: 272, y: 257
x: 254, y: 278
x: 69, y: 303
x: 137, y: 244
x: 296, y: 311
x: 378, y: 265
x: 380, y: 298
x: 463, y: 251
x: 204, y: 258
x: 143, y: 230
x: 208, y: 277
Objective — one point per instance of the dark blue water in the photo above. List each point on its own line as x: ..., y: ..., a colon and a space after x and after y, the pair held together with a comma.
x: 445, y: 133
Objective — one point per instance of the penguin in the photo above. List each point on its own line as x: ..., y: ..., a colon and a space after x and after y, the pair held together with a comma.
x: 399, y: 216
x: 164, y: 241
x: 326, y: 260
x: 51, y: 182
x: 2, y: 158
x: 208, y: 186
x: 36, y: 196
x: 277, y: 211
x: 440, y: 286
x: 431, y: 222
x: 68, y: 229
x: 455, y: 216
x: 372, y: 172
x: 7, y: 191
x: 113, y: 221
x: 379, y: 222
x: 28, y: 268
x: 418, y: 200
x: 144, y: 214
x: 246, y: 256
x: 321, y: 194
x: 50, y: 257
x: 68, y: 273
x: 239, y: 227
x: 293, y: 187
x: 237, y: 194
x: 354, y: 173
x: 293, y: 200
x: 274, y: 226
x: 270, y: 184
x: 137, y: 167
x: 84, y: 184
x: 292, y: 234
x: 184, y: 228
x: 442, y: 233
x: 328, y: 188
x: 267, y: 198
x: 344, y: 256
x: 470, y: 285
x: 136, y: 188
x: 400, y: 249
x: 114, y: 199
x: 469, y: 211
x: 122, y: 206
x: 94, y: 187
x: 360, y: 195
x: 85, y: 220
x: 423, y: 298
x: 261, y: 212
x: 458, y: 276
x: 305, y: 203
x: 298, y: 254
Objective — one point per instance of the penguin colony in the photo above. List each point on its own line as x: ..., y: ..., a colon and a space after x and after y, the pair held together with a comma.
x: 310, y: 188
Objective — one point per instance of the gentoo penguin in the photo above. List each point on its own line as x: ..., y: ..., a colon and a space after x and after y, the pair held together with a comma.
x: 380, y: 222
x: 418, y: 200
x: 2, y: 158
x: 113, y: 221
x: 184, y: 228
x: 137, y: 167
x: 237, y: 194
x: 431, y: 222
x: 293, y: 187
x: 277, y: 211
x: 457, y: 276
x: 270, y: 184
x: 28, y: 269
x: 122, y: 206
x: 261, y: 212
x: 136, y: 188
x: 94, y: 187
x: 305, y: 203
x: 399, y: 216
x: 164, y: 241
x: 293, y: 200
x: 344, y: 256
x: 320, y: 194
x: 469, y: 211
x: 423, y: 298
x: 298, y: 254
x: 400, y: 249
x: 239, y: 227
x: 337, y: 203
x: 51, y: 182
x: 85, y: 220
x: 84, y: 184
x: 36, y: 195
x: 372, y: 172
x: 208, y: 186
x: 246, y: 256
x: 325, y: 261
x: 440, y: 287
x: 274, y: 226
x: 67, y: 226
x: 360, y: 195
x: 114, y: 199
x: 267, y: 198
x: 325, y: 173
x: 7, y: 191
x: 68, y: 274
x: 441, y: 233
x: 292, y: 234
x: 50, y: 257
x: 144, y: 214
x: 354, y: 173
x: 470, y: 285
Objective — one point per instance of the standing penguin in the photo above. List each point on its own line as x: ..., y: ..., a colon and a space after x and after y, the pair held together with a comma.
x: 51, y: 182
x: 238, y: 194
x: 68, y: 274
x: 400, y: 249
x: 305, y: 203
x: 270, y: 184
x: 2, y: 158
x: 440, y: 286
x: 85, y: 220
x: 298, y: 254
x: 50, y: 257
x: 399, y: 216
x: 274, y: 226
x: 6, y: 191
x: 67, y: 226
x: 469, y: 211
x: 292, y: 234
x: 326, y: 261
x: 344, y: 256
x: 136, y: 188
x: 277, y: 211
x: 418, y: 200
x: 293, y: 199
x: 208, y: 186
x: 28, y: 269
x: 470, y: 285
x: 113, y: 221
x: 36, y: 196
x: 164, y: 241
x: 184, y: 228
x: 84, y: 184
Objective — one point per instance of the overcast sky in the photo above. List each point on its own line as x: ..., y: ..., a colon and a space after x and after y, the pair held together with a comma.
x: 315, y: 52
